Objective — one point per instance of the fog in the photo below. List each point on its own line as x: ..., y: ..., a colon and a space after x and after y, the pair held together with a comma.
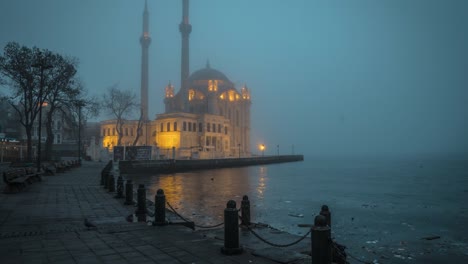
x: 332, y: 78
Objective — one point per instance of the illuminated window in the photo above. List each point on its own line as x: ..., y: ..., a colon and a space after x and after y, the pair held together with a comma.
x: 175, y: 126
x: 191, y: 94
x: 168, y: 127
x: 184, y: 126
x: 213, y: 85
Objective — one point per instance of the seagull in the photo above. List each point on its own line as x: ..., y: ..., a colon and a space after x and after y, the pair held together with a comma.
x: 88, y: 224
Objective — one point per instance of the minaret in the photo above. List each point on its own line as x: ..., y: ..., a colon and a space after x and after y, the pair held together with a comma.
x: 145, y: 41
x: 185, y: 28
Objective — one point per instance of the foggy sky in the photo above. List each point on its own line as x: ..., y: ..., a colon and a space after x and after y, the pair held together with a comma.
x: 361, y: 77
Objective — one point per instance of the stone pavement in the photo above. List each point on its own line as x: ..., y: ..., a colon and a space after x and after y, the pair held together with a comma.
x: 45, y: 224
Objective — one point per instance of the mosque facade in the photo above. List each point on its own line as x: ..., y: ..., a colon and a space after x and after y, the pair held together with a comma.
x: 208, y: 117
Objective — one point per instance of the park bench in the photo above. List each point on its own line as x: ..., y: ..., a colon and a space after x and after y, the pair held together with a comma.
x: 17, y: 179
x: 59, y: 167
x: 48, y: 169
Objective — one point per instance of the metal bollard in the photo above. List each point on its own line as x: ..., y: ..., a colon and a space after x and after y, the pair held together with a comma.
x: 160, y: 208
x: 231, y: 230
x: 141, y: 200
x: 326, y: 212
x: 111, y: 183
x: 245, y: 211
x: 103, y: 172
x: 129, y: 192
x: 119, y: 188
x: 321, y: 241
x: 106, y: 180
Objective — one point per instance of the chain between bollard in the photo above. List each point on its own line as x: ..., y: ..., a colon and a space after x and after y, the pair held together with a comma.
x: 188, y: 221
x: 278, y: 245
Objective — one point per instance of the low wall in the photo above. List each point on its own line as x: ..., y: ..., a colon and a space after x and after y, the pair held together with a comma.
x: 172, y: 166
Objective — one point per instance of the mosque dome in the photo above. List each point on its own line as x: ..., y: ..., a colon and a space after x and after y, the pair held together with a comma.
x: 208, y: 73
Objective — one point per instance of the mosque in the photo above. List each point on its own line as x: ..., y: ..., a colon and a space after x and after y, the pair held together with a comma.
x: 206, y: 118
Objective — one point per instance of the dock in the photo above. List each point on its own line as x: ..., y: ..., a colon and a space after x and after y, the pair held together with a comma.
x: 184, y: 165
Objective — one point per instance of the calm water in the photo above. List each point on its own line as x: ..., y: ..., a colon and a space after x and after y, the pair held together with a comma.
x: 373, y: 204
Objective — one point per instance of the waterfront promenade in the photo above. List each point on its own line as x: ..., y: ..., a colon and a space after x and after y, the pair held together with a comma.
x: 44, y: 223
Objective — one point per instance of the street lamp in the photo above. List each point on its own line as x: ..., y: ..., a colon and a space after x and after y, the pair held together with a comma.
x: 43, y: 66
x: 79, y: 104
x: 262, y: 148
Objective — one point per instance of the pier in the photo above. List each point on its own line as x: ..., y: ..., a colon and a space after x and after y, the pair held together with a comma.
x: 183, y: 165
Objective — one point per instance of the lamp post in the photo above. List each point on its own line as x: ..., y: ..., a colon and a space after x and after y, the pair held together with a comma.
x: 79, y: 104
x: 238, y: 147
x: 262, y: 148
x: 43, y: 66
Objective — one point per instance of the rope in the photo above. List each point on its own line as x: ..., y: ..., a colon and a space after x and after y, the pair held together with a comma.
x: 278, y: 245
x: 183, y: 218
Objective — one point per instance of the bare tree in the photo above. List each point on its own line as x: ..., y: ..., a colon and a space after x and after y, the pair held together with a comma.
x: 139, y: 131
x: 121, y: 104
x: 19, y: 74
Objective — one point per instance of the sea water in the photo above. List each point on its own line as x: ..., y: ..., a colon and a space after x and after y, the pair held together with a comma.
x: 386, y: 208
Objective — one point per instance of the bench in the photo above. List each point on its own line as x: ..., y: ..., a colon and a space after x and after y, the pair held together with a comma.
x: 59, y: 167
x: 48, y: 169
x: 17, y: 179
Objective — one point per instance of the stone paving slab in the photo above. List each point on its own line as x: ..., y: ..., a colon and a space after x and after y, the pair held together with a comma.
x: 45, y: 224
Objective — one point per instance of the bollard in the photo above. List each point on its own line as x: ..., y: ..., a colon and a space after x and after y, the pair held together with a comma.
x: 326, y: 212
x: 141, y: 200
x: 231, y: 230
x: 321, y: 241
x: 111, y: 183
x: 119, y: 188
x: 106, y: 180
x: 160, y: 208
x: 129, y: 192
x: 245, y: 211
x: 103, y: 172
